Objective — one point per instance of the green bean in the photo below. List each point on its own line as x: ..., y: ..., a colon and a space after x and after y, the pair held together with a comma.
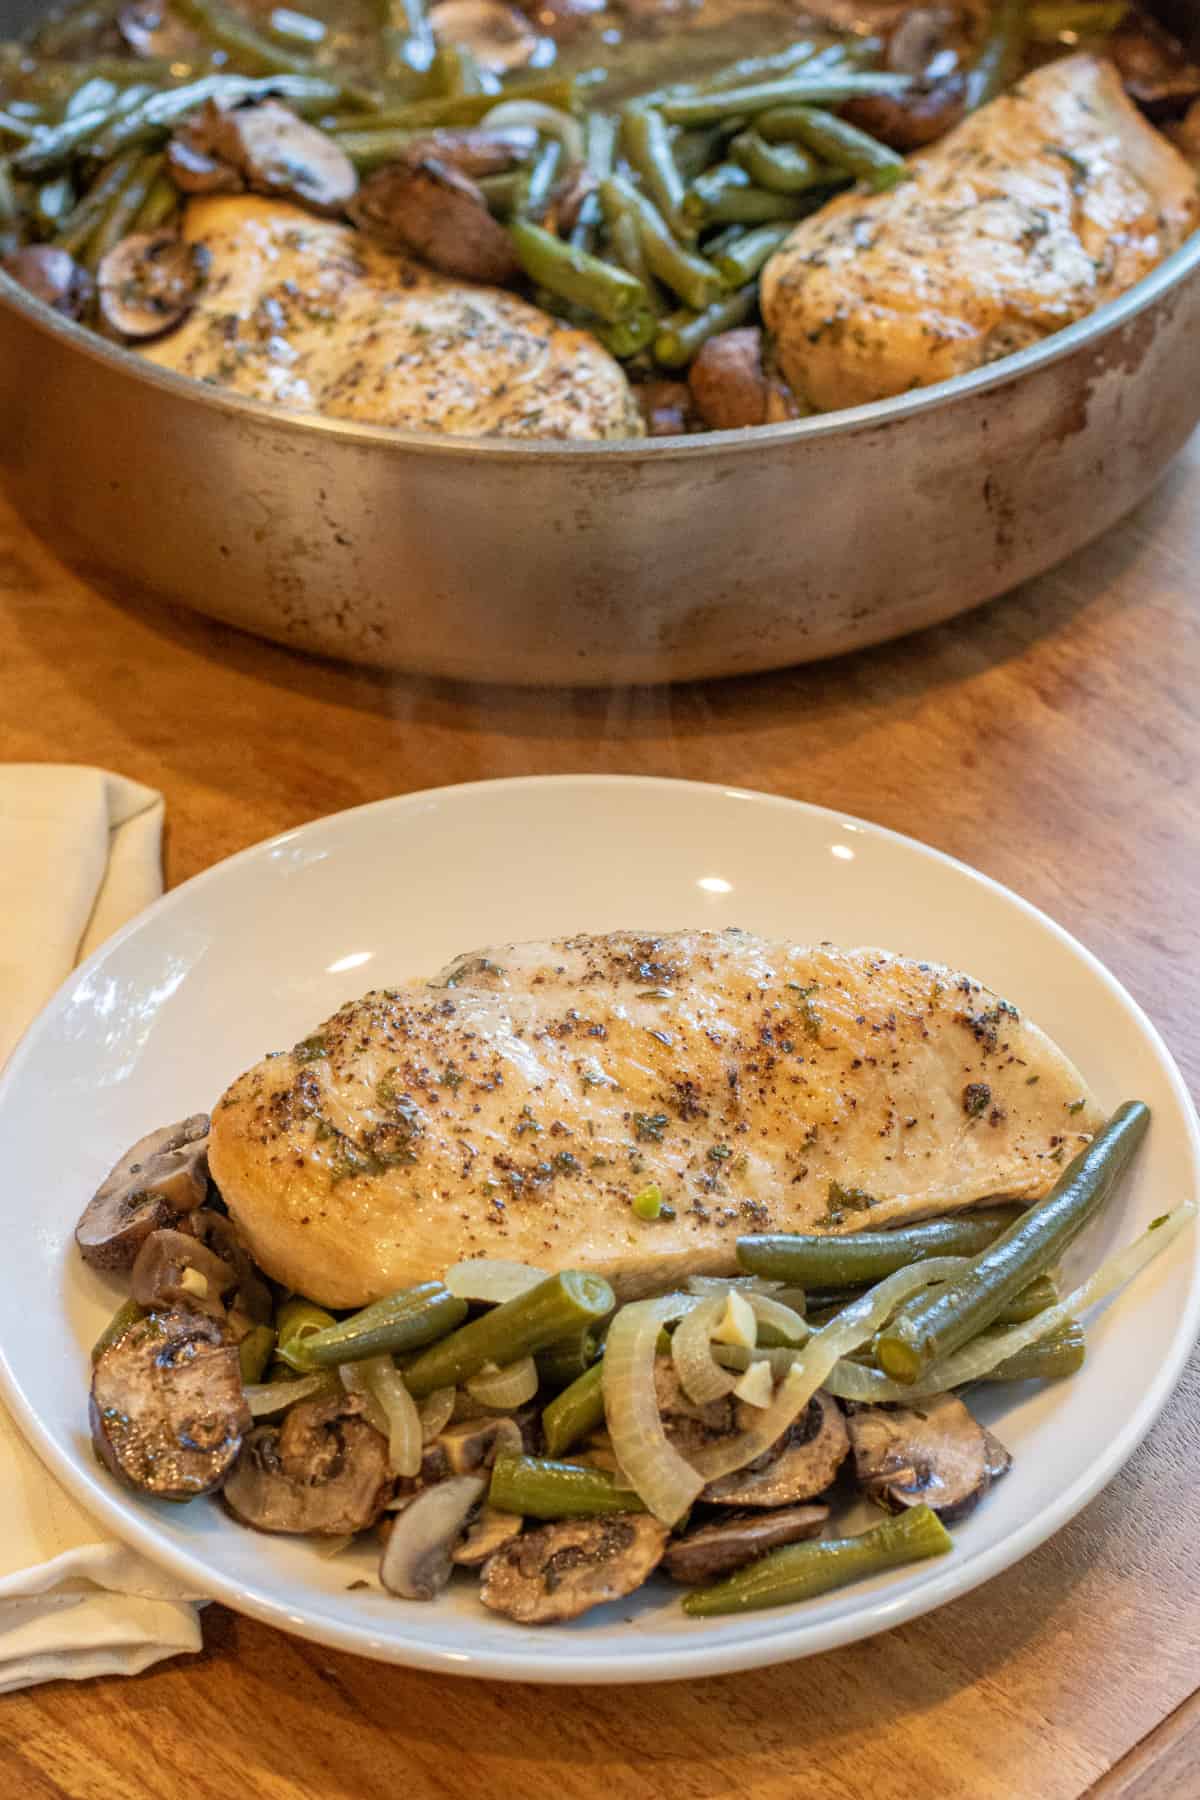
x: 759, y: 68
x: 160, y: 113
x: 1054, y: 20
x: 790, y: 90
x: 960, y: 1310
x: 454, y: 72
x: 682, y: 335
x: 295, y: 1321
x: 586, y: 229
x: 540, y: 1489
x: 628, y: 337
x: 559, y: 1364
x: 127, y: 1314
x: 256, y: 53
x: 781, y: 168
x: 837, y: 143
x: 609, y: 292
x: 1041, y: 1293
x: 687, y: 274
x: 59, y: 143
x: 552, y: 1310
x: 647, y: 145
x: 405, y: 1321
x: 160, y: 204
x: 369, y: 150
x: 742, y: 260
x: 77, y: 228
x: 255, y: 1352
x: 295, y: 27
x: 1062, y: 1353
x: 406, y: 37
x: 625, y: 245
x: 52, y: 203
x: 534, y: 190
x: 726, y: 196
x: 17, y: 128
x: 96, y: 91
x: 461, y: 109
x: 123, y: 209
x: 600, y: 139
x: 801, y: 1571
x: 576, y: 1412
x: 861, y: 1257
x: 1001, y: 56
x: 696, y: 151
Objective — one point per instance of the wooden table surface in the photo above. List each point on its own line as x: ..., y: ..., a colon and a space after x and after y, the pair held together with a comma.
x: 1052, y: 739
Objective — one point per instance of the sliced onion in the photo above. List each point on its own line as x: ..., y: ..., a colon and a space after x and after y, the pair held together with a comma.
x: 784, y: 1318
x: 850, y: 1382
x: 546, y: 119
x: 354, y: 1380
x: 436, y: 1413
x: 267, y: 1397
x: 492, y: 1279
x: 658, y: 1474
x: 505, y: 1388
x: 700, y: 1376
x: 386, y: 1386
x: 733, y: 1356
x: 717, y: 1284
x: 852, y: 1327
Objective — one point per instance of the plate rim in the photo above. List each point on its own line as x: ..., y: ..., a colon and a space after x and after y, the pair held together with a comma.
x: 613, y: 1665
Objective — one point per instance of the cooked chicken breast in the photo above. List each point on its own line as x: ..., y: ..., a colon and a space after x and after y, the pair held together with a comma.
x: 312, y: 316
x: 515, y: 1105
x: 1029, y: 215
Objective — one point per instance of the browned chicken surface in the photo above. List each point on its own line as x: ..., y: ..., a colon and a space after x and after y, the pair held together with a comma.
x: 1036, y: 210
x: 516, y: 1105
x: 311, y: 315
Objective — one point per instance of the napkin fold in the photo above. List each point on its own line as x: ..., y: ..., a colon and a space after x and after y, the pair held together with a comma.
x: 80, y: 852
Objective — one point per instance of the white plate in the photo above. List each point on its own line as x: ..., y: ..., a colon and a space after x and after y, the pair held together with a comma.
x: 252, y: 954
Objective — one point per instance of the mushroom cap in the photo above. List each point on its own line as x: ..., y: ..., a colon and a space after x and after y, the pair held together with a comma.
x: 428, y: 207
x: 324, y: 1470
x: 52, y: 275
x: 163, y: 1176
x: 269, y: 149
x: 167, y: 1409
x: 149, y: 281
x: 159, y: 1279
x: 934, y: 1455
x: 560, y: 1571
x: 471, y: 1444
x: 728, y: 1544
x: 801, y: 1465
x: 489, y: 1531
x: 499, y: 37
x: 418, y: 1556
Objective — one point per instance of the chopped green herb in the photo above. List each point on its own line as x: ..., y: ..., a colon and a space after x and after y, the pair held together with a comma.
x: 648, y: 1128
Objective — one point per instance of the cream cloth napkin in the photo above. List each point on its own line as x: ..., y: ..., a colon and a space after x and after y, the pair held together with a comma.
x: 80, y: 852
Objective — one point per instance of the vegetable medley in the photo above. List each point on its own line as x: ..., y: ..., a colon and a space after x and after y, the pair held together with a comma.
x: 525, y: 1425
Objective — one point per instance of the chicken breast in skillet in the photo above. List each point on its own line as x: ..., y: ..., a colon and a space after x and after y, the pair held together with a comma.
x: 312, y: 316
x: 1029, y: 215
x: 516, y: 1104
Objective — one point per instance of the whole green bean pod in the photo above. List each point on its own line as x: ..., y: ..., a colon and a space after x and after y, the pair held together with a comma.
x: 1041, y: 1294
x: 860, y: 1257
x: 460, y: 109
x: 405, y: 1321
x: 800, y: 89
x: 1062, y: 1353
x: 749, y: 69
x: 690, y: 276
x: 77, y: 228
x: 540, y: 1489
x: 801, y: 1571
x: 611, y: 293
x: 961, y: 1309
x: 647, y: 145
x: 127, y: 1314
x: 740, y: 261
x: 628, y: 337
x: 781, y: 168
x: 296, y: 1320
x: 520, y: 1327
x: 560, y: 1364
x: 1001, y: 56
x: 56, y: 145
x: 370, y: 150
x: 1037, y: 1297
x: 696, y: 151
x: 726, y: 196
x: 576, y: 1412
x: 96, y: 91
x: 161, y: 203
x: 123, y: 209
x: 839, y: 144
x: 255, y: 1352
x: 680, y: 337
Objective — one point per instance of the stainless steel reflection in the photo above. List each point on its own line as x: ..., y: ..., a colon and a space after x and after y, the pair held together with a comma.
x: 544, y: 563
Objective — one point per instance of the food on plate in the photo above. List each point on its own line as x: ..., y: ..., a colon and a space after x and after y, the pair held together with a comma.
x: 319, y: 1329
x: 1026, y: 217
x: 538, y: 221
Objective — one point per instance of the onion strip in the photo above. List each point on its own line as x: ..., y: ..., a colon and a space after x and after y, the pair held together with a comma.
x: 505, y: 1388
x: 354, y: 1380
x: 664, y: 1481
x: 492, y: 1279
x: 700, y: 1375
x: 267, y: 1397
x: 785, y: 1319
x: 549, y: 120
x: 436, y: 1413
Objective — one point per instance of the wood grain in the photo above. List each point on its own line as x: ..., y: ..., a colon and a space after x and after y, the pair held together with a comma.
x: 1053, y: 739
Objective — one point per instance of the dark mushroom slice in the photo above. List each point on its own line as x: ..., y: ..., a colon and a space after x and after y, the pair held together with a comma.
x: 167, y: 1409
x: 933, y: 1454
x: 498, y: 36
x: 910, y: 121
x: 999, y: 1459
x: 195, y: 171
x: 487, y: 1532
x: 418, y: 1556
x: 173, y: 1269
x: 149, y: 282
x: 470, y: 1445
x: 472, y: 151
x: 252, y: 1303
x: 51, y: 275
x: 324, y: 1470
x: 562, y: 1570
x: 1154, y: 68
x: 275, y: 152
x: 712, y: 1550
x: 439, y: 215
x: 162, y: 1178
x: 799, y: 1467
x: 728, y: 383
x: 665, y: 406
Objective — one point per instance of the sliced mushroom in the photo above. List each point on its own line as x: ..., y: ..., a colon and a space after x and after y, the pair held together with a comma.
x: 323, y: 1470
x: 148, y: 282
x: 163, y: 1177
x: 51, y: 275
x: 1155, y: 70
x: 713, y: 1550
x: 488, y: 1532
x: 498, y: 36
x: 438, y: 214
x: 666, y: 406
x: 473, y: 153
x: 470, y: 1445
x: 194, y: 171
x: 252, y: 1304
x: 418, y: 1556
x: 999, y: 1460
x: 274, y: 152
x: 561, y: 1570
x: 173, y: 1269
x: 909, y: 121
x: 799, y: 1467
x: 934, y: 1455
x: 153, y: 31
x: 728, y: 384
x: 167, y: 1409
